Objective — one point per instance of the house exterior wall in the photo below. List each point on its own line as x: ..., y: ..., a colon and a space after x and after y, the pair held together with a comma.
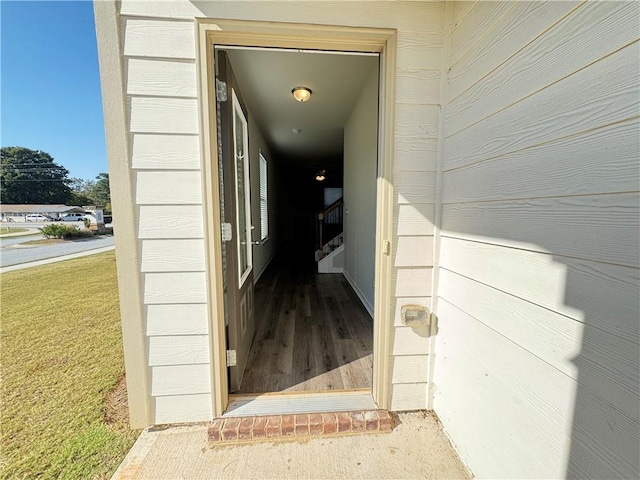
x: 360, y: 165
x: 536, y: 374
x: 161, y: 98
x: 171, y: 334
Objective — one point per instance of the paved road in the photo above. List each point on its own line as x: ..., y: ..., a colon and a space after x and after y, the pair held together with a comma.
x: 13, y: 252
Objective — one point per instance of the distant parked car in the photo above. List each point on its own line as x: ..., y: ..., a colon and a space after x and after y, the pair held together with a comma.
x: 73, y: 217
x: 37, y: 217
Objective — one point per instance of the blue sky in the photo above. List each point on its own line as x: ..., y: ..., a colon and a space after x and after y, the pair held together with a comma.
x: 50, y: 93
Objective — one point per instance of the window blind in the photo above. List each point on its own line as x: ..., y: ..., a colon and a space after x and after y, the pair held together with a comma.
x: 264, y: 208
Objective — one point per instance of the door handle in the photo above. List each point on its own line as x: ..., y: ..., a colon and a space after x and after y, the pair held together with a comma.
x: 256, y: 243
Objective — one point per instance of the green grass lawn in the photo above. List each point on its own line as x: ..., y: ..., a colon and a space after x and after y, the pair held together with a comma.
x: 61, y: 356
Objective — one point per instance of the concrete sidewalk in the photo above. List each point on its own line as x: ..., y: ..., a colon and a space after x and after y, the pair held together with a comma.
x: 416, y: 448
x: 20, y: 234
x: 62, y: 258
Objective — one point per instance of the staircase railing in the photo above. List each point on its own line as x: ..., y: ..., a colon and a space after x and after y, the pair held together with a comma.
x: 329, y: 227
x: 332, y: 245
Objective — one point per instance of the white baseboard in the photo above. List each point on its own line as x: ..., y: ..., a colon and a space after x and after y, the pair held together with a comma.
x: 368, y: 307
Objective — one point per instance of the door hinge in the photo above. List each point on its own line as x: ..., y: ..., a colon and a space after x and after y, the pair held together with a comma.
x: 221, y: 91
x: 226, y: 232
x: 231, y: 358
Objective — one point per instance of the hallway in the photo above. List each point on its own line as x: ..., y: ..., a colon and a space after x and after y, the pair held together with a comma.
x: 312, y: 334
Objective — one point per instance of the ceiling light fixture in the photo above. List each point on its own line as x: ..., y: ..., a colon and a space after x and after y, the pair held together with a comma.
x: 301, y: 94
x: 321, y: 175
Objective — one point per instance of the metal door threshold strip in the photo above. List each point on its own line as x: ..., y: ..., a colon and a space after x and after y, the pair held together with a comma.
x: 299, y: 402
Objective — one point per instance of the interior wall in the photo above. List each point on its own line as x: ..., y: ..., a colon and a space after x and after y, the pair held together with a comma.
x: 537, y: 368
x: 360, y: 167
x: 263, y: 253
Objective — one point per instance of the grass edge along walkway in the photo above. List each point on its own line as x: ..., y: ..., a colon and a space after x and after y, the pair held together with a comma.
x: 9, y: 232
x: 61, y: 356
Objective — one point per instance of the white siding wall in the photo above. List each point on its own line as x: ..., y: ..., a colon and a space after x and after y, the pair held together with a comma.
x: 536, y: 374
x: 159, y: 51
x: 160, y: 79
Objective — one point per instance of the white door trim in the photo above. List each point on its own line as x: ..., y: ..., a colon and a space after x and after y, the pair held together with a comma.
x: 242, y: 275
x: 213, y: 32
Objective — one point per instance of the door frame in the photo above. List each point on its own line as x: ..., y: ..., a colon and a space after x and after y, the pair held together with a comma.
x: 211, y: 32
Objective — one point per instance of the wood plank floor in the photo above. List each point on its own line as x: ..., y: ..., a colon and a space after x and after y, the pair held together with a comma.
x: 313, y: 334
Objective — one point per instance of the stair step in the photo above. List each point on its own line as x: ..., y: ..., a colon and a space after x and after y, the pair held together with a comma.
x: 267, y: 428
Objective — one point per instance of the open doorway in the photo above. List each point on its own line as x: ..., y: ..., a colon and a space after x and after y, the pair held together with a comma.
x: 288, y: 327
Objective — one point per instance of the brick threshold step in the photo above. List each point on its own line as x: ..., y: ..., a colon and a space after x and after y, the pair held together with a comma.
x: 240, y: 430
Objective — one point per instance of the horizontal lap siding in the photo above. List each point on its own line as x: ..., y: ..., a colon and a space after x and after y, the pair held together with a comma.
x: 180, y: 380
x: 159, y: 49
x: 414, y: 251
x: 162, y: 39
x: 591, y: 162
x: 417, y: 119
x: 161, y: 84
x: 410, y: 369
x: 182, y: 408
x: 540, y: 278
x: 414, y: 219
x: 408, y: 17
x: 175, y: 287
x: 171, y: 221
x: 551, y: 336
x: 168, y: 188
x: 178, y: 350
x: 519, y: 21
x: 557, y: 50
x: 412, y: 281
x: 175, y: 78
x: 574, y: 226
x: 164, y: 115
x: 184, y: 255
x: 176, y: 319
x: 165, y: 152
x: 538, y: 289
x: 517, y: 416
x: 599, y: 95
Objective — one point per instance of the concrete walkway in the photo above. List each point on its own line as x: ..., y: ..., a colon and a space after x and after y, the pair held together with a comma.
x: 32, y: 231
x: 416, y: 448
x: 61, y: 258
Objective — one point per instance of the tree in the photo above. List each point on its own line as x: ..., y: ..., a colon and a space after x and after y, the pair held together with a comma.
x: 101, y: 191
x: 79, y: 199
x: 31, y: 176
x: 91, y: 192
x: 82, y: 191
